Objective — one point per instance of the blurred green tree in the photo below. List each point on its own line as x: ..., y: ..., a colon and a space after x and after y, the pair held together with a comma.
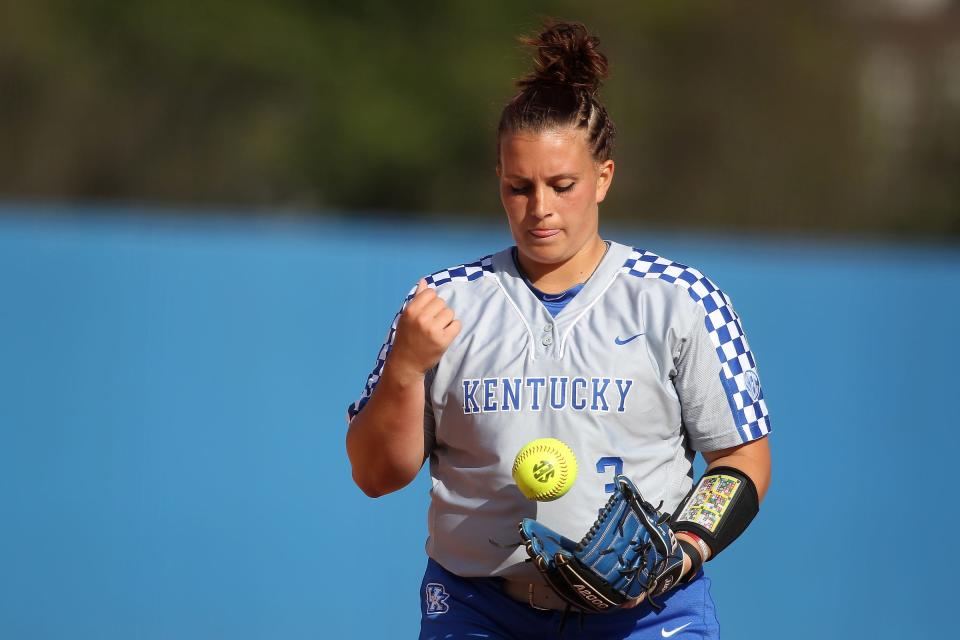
x: 731, y: 114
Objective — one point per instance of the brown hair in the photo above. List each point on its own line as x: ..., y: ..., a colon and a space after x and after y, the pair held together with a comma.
x: 561, y: 91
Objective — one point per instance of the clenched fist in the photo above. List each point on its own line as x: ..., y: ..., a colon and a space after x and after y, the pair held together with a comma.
x: 425, y: 329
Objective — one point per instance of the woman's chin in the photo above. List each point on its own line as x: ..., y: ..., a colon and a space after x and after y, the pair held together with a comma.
x: 542, y: 253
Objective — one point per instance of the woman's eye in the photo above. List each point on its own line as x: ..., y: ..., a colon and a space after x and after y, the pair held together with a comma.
x: 525, y: 189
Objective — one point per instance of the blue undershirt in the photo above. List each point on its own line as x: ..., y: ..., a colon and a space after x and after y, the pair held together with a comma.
x: 555, y: 302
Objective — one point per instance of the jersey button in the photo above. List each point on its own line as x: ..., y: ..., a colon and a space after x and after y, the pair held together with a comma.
x: 547, y: 341
x: 548, y: 327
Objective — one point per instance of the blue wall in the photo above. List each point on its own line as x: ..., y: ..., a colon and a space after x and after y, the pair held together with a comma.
x: 172, y: 396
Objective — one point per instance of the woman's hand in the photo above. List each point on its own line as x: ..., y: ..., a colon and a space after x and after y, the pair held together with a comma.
x: 425, y: 330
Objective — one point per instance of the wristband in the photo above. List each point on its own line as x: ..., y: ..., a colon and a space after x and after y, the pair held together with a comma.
x: 704, y: 547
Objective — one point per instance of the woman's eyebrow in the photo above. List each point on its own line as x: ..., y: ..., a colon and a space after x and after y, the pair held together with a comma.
x: 559, y: 176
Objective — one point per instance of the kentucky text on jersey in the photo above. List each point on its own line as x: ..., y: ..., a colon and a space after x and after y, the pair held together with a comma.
x: 484, y: 395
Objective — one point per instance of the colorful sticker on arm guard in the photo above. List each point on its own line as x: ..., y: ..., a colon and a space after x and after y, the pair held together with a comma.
x: 709, y: 502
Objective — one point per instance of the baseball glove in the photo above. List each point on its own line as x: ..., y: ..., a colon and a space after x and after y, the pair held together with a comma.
x: 629, y: 553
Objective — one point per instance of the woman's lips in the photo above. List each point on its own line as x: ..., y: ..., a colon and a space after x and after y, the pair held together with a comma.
x: 544, y: 233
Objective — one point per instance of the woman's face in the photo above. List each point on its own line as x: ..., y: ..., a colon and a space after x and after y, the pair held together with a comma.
x: 551, y: 187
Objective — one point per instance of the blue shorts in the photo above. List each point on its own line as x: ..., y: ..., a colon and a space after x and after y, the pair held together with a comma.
x: 454, y: 608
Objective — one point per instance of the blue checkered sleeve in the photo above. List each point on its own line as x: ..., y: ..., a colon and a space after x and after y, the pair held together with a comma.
x: 461, y: 273
x: 735, y: 364
x: 374, y: 376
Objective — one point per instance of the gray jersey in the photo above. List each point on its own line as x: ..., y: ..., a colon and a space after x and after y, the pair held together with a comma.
x: 645, y: 366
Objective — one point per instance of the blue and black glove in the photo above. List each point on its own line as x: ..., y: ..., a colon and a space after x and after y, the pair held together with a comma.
x: 629, y: 554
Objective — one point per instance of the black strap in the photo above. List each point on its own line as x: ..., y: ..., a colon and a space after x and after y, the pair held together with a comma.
x: 696, y: 560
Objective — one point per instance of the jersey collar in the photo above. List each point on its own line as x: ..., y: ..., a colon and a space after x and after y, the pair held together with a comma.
x: 539, y: 321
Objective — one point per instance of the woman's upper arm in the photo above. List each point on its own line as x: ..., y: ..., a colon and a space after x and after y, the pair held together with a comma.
x: 753, y: 458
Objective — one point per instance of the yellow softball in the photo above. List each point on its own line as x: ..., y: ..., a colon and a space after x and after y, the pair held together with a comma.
x: 545, y: 469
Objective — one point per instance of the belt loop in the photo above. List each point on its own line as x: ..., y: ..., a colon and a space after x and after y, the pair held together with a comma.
x: 530, y: 599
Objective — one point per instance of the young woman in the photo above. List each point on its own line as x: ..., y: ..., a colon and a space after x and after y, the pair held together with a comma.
x: 637, y: 362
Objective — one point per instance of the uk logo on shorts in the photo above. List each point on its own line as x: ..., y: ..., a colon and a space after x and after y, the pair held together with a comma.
x: 436, y: 596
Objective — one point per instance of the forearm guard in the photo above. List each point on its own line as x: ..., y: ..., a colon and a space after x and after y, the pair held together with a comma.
x: 719, y: 507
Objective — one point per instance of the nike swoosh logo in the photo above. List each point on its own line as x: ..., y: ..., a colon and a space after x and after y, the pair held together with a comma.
x: 667, y: 634
x: 619, y: 341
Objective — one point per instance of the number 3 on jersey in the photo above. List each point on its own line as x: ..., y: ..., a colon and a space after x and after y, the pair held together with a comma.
x: 605, y: 463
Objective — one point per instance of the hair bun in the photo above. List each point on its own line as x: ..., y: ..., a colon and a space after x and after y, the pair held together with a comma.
x: 566, y: 55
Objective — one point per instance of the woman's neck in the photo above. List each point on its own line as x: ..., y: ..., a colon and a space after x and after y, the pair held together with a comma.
x: 556, y: 278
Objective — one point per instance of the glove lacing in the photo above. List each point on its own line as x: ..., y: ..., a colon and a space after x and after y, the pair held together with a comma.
x: 601, y: 518
x: 660, y: 566
x: 639, y: 546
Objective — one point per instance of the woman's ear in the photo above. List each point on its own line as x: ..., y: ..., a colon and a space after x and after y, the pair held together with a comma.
x: 604, y: 178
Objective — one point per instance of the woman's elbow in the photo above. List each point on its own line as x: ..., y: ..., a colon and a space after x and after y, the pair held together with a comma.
x: 369, y: 490
x: 379, y: 470
x: 376, y: 485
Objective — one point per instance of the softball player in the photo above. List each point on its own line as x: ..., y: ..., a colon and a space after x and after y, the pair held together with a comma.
x: 637, y: 362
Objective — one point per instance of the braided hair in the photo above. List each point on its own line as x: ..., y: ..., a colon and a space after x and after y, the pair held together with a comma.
x: 562, y: 89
